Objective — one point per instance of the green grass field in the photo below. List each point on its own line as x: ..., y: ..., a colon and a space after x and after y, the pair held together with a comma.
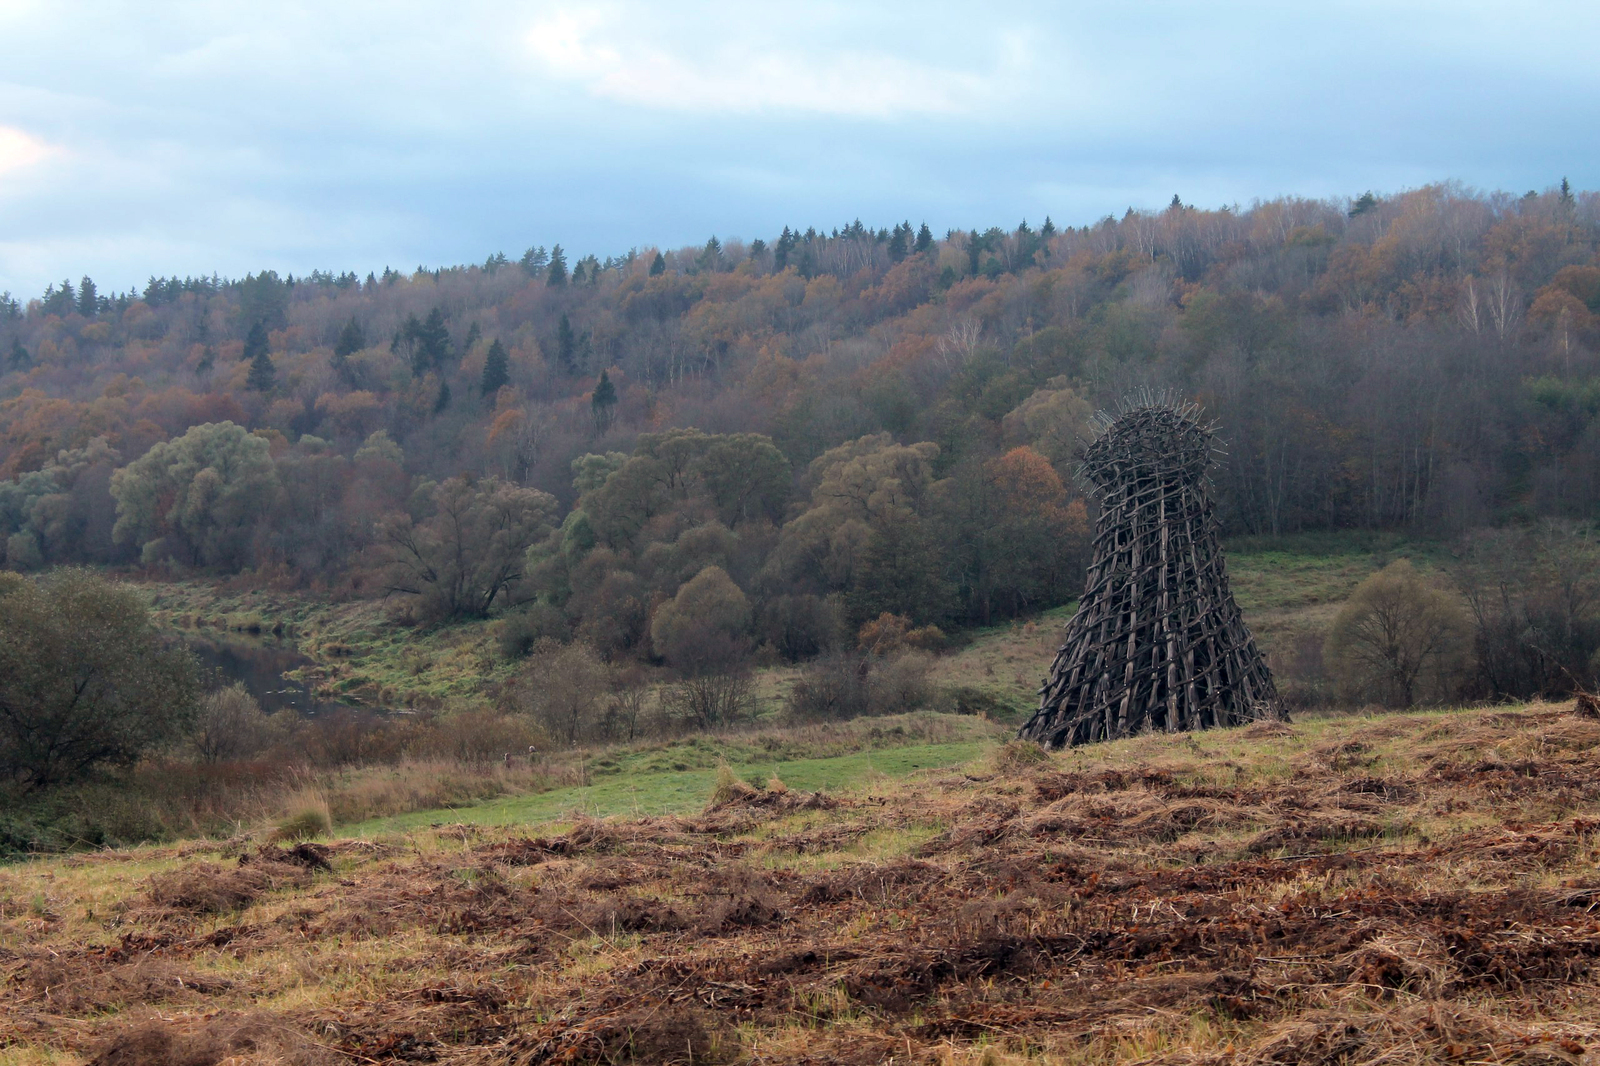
x: 668, y: 791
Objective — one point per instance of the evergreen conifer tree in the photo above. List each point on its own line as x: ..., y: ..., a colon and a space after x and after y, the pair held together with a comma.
x: 255, y: 343
x: 556, y: 272
x: 20, y: 359
x: 263, y: 375
x: 496, y: 369
x: 432, y: 344
x: 785, y: 246
x: 351, y: 340
x: 897, y: 242
x: 924, y: 239
x: 566, y: 345
x: 603, y: 402
x: 710, y: 258
x: 88, y: 297
x: 658, y: 265
x: 443, y: 399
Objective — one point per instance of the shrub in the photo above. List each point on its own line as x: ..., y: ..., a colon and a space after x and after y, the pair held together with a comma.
x: 85, y: 682
x: 229, y: 725
x: 563, y: 688
x: 518, y: 633
x: 710, y: 700
x: 830, y: 688
x: 840, y: 686
x: 477, y: 737
x: 309, y: 816
x: 900, y: 683
x: 1399, y: 640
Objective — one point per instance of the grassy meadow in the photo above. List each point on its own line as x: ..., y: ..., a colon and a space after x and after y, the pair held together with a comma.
x: 1356, y: 889
x: 1349, y: 888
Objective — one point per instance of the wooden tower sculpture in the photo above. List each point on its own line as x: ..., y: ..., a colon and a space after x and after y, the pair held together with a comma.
x: 1158, y: 642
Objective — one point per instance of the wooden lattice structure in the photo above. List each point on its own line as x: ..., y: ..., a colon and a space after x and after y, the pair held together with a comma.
x: 1158, y: 642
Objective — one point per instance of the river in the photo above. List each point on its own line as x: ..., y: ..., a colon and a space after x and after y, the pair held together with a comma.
x: 259, y: 665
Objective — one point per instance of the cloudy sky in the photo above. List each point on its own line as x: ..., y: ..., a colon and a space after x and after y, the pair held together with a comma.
x: 160, y: 138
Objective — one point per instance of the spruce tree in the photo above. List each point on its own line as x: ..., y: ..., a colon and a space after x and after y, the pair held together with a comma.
x: 924, y: 239
x: 443, y: 400
x: 709, y: 260
x: 556, y: 272
x: 20, y: 359
x: 88, y: 297
x: 566, y: 345
x: 603, y: 402
x: 782, y: 250
x: 897, y: 242
x: 351, y: 340
x: 432, y: 343
x: 658, y: 265
x: 263, y: 375
x: 255, y: 343
x: 496, y: 369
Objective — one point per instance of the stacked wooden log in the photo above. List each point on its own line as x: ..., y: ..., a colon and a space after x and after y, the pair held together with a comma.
x: 1158, y: 643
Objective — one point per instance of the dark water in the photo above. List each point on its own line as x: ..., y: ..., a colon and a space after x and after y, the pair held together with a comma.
x: 260, y: 666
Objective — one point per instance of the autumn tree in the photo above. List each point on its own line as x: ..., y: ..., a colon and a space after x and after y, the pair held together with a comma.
x: 705, y: 626
x: 196, y: 498
x: 463, y: 544
x: 1014, y: 542
x: 1534, y: 597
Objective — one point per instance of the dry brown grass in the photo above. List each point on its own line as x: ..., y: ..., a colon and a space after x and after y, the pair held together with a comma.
x: 1405, y: 889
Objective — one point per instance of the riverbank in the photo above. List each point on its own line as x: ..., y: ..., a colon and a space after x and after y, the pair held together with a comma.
x: 356, y: 654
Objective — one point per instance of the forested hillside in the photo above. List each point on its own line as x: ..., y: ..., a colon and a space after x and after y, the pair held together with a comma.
x: 674, y: 448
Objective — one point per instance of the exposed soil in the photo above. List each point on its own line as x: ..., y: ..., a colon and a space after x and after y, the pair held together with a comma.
x: 1343, y: 913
